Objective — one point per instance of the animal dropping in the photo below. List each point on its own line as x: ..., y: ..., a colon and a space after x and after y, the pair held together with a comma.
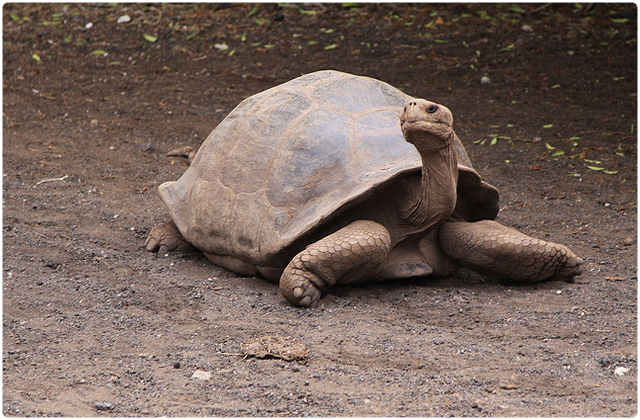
x: 333, y: 178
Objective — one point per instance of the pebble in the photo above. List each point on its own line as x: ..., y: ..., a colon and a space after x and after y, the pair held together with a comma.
x: 202, y: 375
x: 628, y: 241
x: 124, y: 19
x: 527, y: 28
x: 621, y: 371
x: 102, y: 406
x: 485, y: 80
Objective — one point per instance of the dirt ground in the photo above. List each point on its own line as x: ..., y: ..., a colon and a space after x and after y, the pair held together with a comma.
x: 94, y: 325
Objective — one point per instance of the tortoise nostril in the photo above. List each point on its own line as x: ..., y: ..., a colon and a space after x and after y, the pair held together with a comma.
x: 432, y: 109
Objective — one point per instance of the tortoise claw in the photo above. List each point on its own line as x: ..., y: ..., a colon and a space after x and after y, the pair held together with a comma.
x: 166, y: 238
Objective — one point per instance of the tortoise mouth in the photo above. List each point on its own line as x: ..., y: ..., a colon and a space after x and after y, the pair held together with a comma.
x: 424, y: 122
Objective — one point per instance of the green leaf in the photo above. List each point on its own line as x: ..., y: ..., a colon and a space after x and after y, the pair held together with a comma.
x: 597, y: 162
x: 307, y: 12
x: 555, y: 86
x: 516, y: 9
x: 595, y: 168
x: 150, y: 38
x: 191, y: 36
x: 328, y: 31
x: 508, y: 48
x: 15, y: 17
x: 574, y: 138
x: 98, y: 52
x: 550, y: 147
x: 558, y: 153
x: 36, y: 57
x: 547, y: 126
x: 254, y: 10
x: 507, y: 161
x: 494, y: 141
x: 620, y: 20
x: 331, y: 47
x: 611, y: 172
x: 349, y: 5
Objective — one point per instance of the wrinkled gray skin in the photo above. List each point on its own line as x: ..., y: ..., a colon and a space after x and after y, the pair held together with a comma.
x: 336, y: 179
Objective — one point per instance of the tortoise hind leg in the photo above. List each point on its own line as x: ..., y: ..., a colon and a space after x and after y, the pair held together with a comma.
x: 493, y: 249
x: 348, y: 255
x: 166, y: 237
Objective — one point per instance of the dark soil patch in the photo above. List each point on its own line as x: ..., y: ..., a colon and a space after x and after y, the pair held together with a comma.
x: 95, y: 325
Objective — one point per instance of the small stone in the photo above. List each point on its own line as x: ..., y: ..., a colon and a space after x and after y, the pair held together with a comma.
x: 621, y: 371
x: 124, y: 19
x: 176, y: 365
x: 527, y: 28
x: 202, y: 375
x: 102, y: 406
x: 485, y: 80
x: 628, y: 241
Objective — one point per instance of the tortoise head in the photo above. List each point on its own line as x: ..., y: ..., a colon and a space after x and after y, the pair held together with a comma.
x: 427, y: 125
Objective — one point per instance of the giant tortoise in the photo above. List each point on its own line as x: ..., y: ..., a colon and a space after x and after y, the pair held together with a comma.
x: 333, y: 178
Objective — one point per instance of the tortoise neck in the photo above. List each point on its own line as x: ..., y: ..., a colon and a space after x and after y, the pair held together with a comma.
x: 436, y: 198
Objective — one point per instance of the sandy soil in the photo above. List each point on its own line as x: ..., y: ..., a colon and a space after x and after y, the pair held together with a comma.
x: 93, y: 325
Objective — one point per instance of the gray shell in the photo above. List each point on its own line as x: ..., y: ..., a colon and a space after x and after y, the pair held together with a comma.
x: 286, y: 160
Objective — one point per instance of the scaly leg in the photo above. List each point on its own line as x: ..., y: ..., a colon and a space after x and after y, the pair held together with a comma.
x: 348, y: 255
x: 166, y: 237
x: 496, y: 250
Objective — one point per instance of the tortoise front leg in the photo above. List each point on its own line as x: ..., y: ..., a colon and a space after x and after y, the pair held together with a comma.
x: 496, y: 250
x: 348, y: 255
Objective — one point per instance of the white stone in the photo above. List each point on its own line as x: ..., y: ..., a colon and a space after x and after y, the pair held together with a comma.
x: 621, y: 371
x: 202, y: 375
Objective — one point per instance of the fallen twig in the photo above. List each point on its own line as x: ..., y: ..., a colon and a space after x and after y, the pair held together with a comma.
x: 62, y: 178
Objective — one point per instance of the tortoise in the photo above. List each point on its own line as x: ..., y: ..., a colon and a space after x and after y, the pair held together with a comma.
x: 333, y: 178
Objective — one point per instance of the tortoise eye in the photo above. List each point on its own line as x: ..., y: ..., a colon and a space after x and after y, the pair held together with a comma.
x: 432, y: 109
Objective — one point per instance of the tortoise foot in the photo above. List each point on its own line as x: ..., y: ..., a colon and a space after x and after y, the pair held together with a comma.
x: 299, y: 289
x: 349, y: 255
x: 165, y: 238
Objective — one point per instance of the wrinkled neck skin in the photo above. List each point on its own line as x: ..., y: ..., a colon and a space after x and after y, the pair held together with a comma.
x: 434, y: 199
